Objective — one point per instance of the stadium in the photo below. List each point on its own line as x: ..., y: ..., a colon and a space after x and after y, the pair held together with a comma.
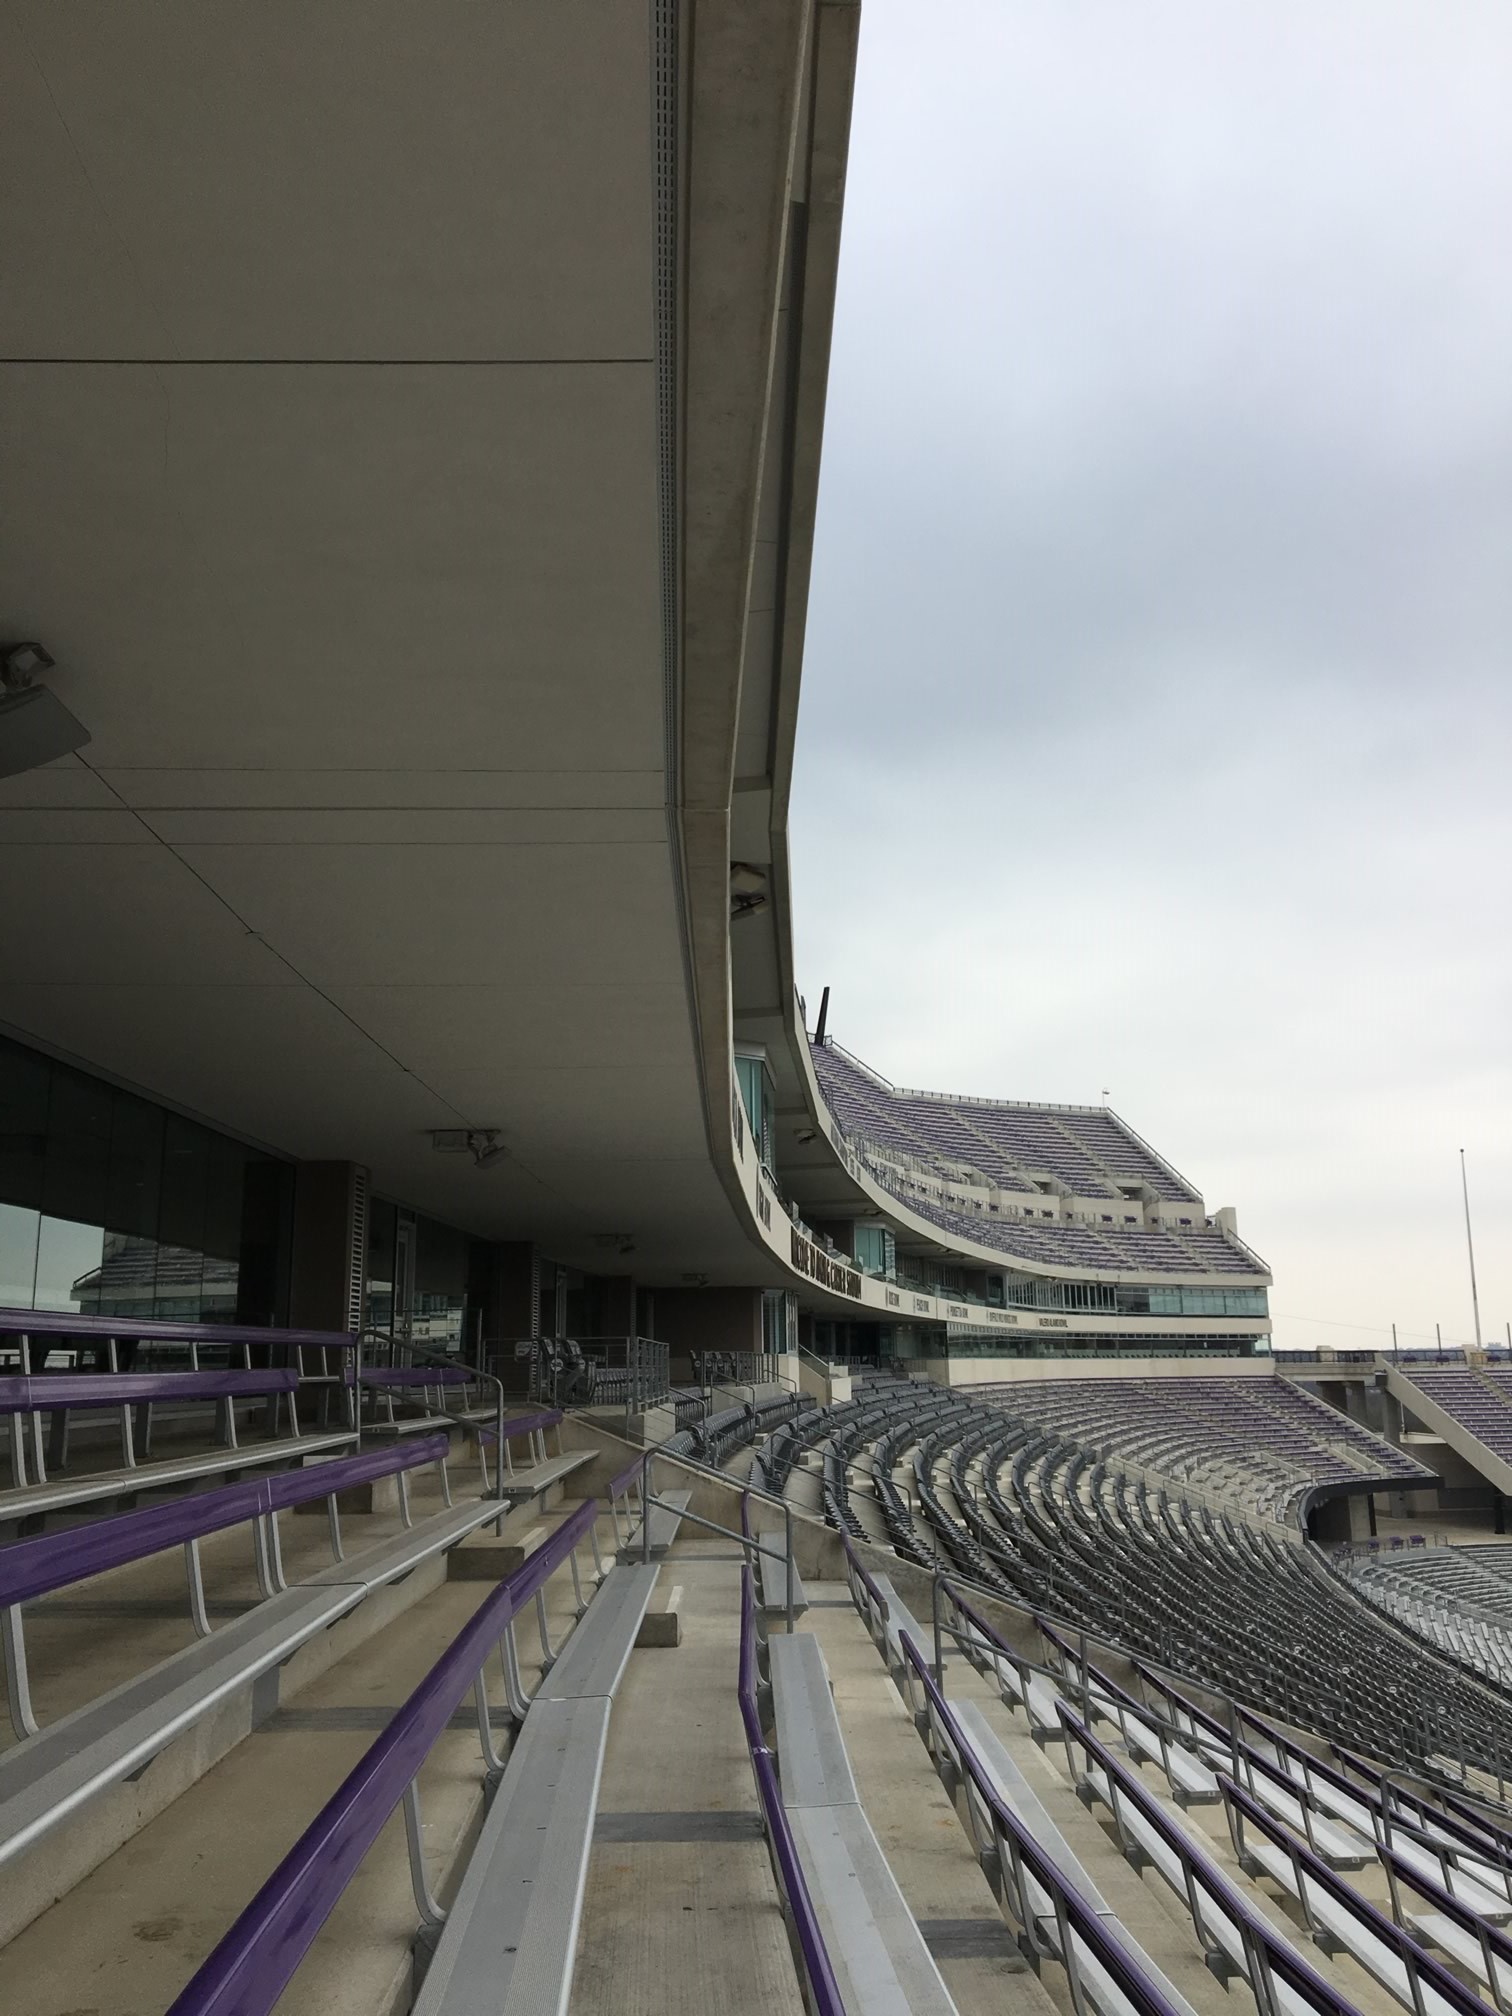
x: 535, y: 1480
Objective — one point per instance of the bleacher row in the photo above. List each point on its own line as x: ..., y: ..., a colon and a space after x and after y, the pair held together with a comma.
x: 715, y: 1436
x: 1083, y: 1148
x: 914, y: 1145
x: 1478, y: 1398
x: 1458, y: 1597
x: 1262, y: 1442
x: 1033, y: 1512
x: 1401, y: 1892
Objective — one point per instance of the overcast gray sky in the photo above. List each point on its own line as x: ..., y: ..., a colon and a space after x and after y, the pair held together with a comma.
x: 1156, y: 701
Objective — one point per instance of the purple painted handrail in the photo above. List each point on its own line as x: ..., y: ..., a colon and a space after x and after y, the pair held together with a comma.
x: 50, y: 1561
x: 823, y: 1987
x: 1128, y: 1967
x: 1392, y: 1935
x: 1477, y: 1831
x: 627, y: 1476
x: 1281, y: 1956
x: 44, y: 1392
x: 868, y: 1581
x: 62, y: 1323
x: 1453, y: 1908
x: 1451, y: 1819
x: 255, y: 1961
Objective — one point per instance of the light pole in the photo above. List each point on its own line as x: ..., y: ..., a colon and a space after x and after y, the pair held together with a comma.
x: 1470, y: 1249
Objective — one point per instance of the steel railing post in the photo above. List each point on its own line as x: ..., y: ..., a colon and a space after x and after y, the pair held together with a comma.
x: 787, y: 1520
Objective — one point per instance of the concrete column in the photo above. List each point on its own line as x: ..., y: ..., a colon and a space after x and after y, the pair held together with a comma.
x: 329, y: 1245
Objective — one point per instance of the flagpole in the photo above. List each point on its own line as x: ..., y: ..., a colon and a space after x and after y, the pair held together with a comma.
x: 1470, y: 1249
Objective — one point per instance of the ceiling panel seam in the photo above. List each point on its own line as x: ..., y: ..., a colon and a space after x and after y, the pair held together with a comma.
x: 282, y: 958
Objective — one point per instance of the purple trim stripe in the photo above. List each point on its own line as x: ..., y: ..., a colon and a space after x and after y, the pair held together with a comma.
x: 22, y: 1393
x: 50, y: 1561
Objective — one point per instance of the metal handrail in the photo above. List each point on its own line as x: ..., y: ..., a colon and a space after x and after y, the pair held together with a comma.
x: 434, y: 1357
x: 640, y: 1468
x: 1077, y: 1918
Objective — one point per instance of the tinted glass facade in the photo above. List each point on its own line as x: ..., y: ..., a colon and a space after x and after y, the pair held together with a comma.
x: 112, y: 1206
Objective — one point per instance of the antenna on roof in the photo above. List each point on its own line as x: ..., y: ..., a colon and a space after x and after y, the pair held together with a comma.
x: 1470, y: 1246
x: 823, y: 1016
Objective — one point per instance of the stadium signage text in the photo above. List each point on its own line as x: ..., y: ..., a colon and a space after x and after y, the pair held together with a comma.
x: 829, y: 1273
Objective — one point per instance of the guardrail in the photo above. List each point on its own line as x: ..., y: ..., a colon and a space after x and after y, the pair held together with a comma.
x: 632, y: 1489
x: 1381, y: 1946
x: 429, y: 1356
x: 1017, y: 1860
x: 1253, y: 1946
x: 252, y: 1965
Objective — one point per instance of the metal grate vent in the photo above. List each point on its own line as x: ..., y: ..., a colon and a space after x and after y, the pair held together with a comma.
x: 357, y: 1230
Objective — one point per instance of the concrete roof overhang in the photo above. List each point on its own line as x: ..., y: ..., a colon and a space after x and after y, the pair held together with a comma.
x: 411, y: 427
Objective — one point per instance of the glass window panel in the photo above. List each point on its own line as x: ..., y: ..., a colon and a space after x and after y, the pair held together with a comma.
x: 186, y: 1179
x: 25, y: 1079
x: 18, y: 1255
x: 135, y: 1167
x: 266, y: 1231
x: 223, y: 1198
x: 74, y: 1176
x: 68, y: 1265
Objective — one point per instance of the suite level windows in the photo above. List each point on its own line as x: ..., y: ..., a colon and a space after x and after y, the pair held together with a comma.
x: 1129, y: 1300
x: 759, y: 1097
x: 875, y: 1251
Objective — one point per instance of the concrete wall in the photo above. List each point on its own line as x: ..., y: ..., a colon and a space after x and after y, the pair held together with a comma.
x: 708, y: 1319
x: 995, y: 1371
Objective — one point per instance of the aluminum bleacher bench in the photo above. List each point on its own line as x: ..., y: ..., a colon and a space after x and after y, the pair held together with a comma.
x: 507, y: 1943
x: 510, y: 1938
x: 129, y: 1392
x: 533, y: 1479
x: 772, y: 1578
x: 881, y: 1962
x: 52, y: 1771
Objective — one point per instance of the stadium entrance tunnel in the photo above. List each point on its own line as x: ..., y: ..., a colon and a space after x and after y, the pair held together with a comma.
x: 1340, y: 1516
